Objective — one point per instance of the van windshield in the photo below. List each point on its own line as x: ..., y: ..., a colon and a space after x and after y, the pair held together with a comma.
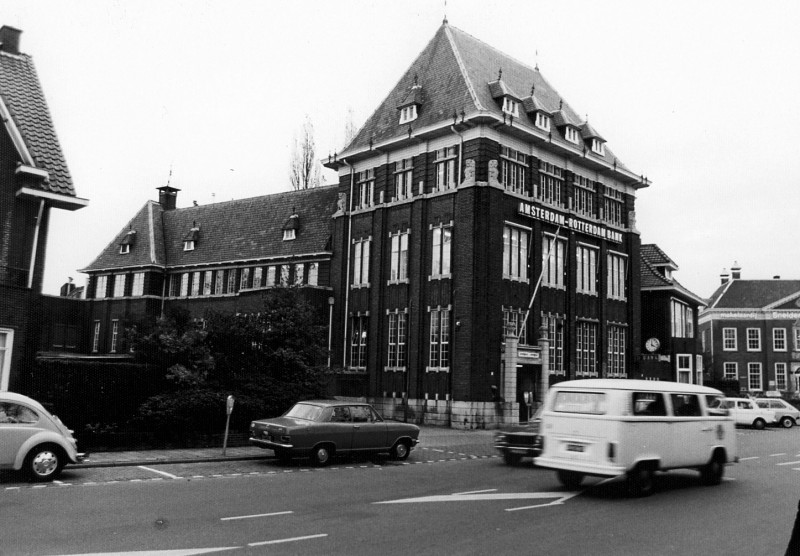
x: 580, y: 402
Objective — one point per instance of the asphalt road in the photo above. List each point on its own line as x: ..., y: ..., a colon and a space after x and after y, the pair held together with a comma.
x: 443, y: 500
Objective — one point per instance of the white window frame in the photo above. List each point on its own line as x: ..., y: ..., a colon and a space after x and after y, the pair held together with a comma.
x: 137, y: 288
x: 244, y: 278
x: 125, y: 249
x: 299, y: 273
x: 613, y: 206
x: 554, y: 251
x: 683, y: 368
x: 598, y: 147
x: 359, y: 342
x: 101, y: 287
x: 779, y: 339
x: 114, y: 335
x: 441, y: 250
x: 361, y: 253
x: 616, y: 273
x: 365, y: 184
x: 542, y: 121
x: 584, y: 195
x: 219, y: 284
x: 96, y: 337
x: 616, y: 351
x: 586, y: 268
x: 196, y: 283
x: 313, y: 274
x: 270, y: 280
x: 439, y: 340
x: 586, y: 348
x: 119, y: 285
x: 511, y: 106
x: 208, y: 278
x: 516, y: 240
x: 555, y: 332
x: 398, y: 265
x: 781, y: 376
x: 730, y: 340
x: 289, y: 235
x: 184, y: 284
x: 403, y: 179
x: 725, y: 370
x: 513, y: 170
x: 550, y: 188
x: 6, y: 351
x: 258, y: 277
x: 285, y: 269
x: 682, y: 316
x: 753, y: 336
x: 445, y: 162
x: 572, y: 135
x: 796, y: 339
x: 408, y: 113
x: 398, y: 334
x: 754, y: 371
x: 188, y: 245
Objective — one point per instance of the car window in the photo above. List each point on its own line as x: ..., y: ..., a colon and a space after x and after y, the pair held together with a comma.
x: 11, y: 413
x: 649, y: 403
x: 764, y: 404
x: 580, y: 402
x: 304, y: 411
x: 340, y: 414
x: 745, y: 405
x: 685, y: 405
x: 360, y: 414
x: 377, y: 418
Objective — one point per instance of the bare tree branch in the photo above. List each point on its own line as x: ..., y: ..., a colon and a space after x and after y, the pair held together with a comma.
x: 304, y: 169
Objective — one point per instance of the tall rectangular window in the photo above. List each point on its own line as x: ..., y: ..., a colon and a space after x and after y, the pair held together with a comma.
x: 101, y: 287
x: 403, y: 176
x: 616, y: 351
x: 313, y: 274
x: 299, y: 274
x: 119, y: 285
x: 553, y: 253
x: 231, y: 281
x: 682, y: 320
x: 586, y: 258
x: 730, y: 371
x: 555, y: 332
x: 270, y: 276
x: 445, y: 161
x: 753, y: 339
x: 258, y: 276
x: 514, y: 323
x: 515, y: 253
x: 244, y: 278
x: 399, y: 257
x: 586, y: 349
x: 6, y: 345
x: 361, y: 262
x: 138, y: 284
x: 439, y: 353
x: 184, y: 284
x: 754, y: 376
x: 613, y: 207
x: 366, y: 188
x: 285, y: 275
x: 440, y: 252
x: 796, y: 339
x: 397, y: 341
x: 780, y: 376
x: 583, y: 195
x: 219, y: 282
x: 683, y: 364
x: 616, y: 274
x: 96, y: 337
x: 513, y: 168
x: 114, y: 335
x: 358, y: 343
x: 729, y: 342
x: 196, y: 283
x: 778, y: 339
x: 551, y: 184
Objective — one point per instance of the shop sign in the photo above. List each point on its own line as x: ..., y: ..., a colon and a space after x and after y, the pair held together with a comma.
x: 546, y: 215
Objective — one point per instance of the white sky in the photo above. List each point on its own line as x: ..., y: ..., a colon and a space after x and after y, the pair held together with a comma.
x: 700, y: 97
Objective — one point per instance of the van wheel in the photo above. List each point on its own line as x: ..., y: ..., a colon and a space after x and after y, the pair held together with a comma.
x: 570, y: 479
x: 711, y: 473
x: 787, y: 422
x: 759, y: 424
x: 641, y: 481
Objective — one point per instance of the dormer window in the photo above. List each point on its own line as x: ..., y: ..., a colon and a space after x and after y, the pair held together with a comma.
x: 598, y: 147
x: 290, y: 227
x: 289, y: 235
x: 408, y: 114
x: 572, y: 135
x: 188, y: 245
x: 542, y: 121
x: 124, y: 249
x: 511, y: 106
x: 190, y: 239
x: 127, y: 241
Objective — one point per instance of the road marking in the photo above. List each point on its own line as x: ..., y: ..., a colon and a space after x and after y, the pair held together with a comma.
x: 436, y: 450
x: 255, y: 515
x: 557, y: 502
x: 745, y: 459
x: 177, y: 552
x: 475, y: 492
x: 278, y: 541
x: 169, y: 475
x: 776, y: 455
x: 788, y: 463
x: 481, y: 497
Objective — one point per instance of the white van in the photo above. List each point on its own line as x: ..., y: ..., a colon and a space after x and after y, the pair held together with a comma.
x: 613, y: 427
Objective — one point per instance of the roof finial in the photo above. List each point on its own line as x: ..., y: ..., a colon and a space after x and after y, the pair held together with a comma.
x: 169, y: 178
x: 536, y: 67
x: 560, y: 103
x: 416, y: 79
x: 444, y: 21
x: 500, y: 74
x: 533, y: 89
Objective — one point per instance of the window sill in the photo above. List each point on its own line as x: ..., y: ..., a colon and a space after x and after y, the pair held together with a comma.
x: 437, y: 369
x: 440, y: 277
x: 359, y: 286
x: 397, y: 282
x: 394, y: 369
x: 516, y: 279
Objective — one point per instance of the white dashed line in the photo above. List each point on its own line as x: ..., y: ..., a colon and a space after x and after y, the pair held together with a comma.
x: 278, y: 541
x: 776, y: 455
x: 788, y: 463
x: 254, y: 516
x: 751, y: 457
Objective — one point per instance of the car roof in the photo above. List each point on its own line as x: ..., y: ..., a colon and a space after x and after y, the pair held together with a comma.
x: 331, y: 403
x: 15, y: 397
x: 635, y: 384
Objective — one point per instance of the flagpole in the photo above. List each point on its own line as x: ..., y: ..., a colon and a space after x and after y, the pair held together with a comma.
x: 539, y: 281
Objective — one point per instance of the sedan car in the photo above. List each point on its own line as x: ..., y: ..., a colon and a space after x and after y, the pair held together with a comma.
x: 746, y: 412
x: 33, y: 440
x: 519, y: 442
x: 786, y: 414
x: 322, y: 428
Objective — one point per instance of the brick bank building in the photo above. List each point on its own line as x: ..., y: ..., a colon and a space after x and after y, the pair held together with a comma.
x: 479, y: 245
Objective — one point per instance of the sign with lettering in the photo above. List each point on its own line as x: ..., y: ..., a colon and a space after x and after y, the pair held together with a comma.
x: 547, y: 215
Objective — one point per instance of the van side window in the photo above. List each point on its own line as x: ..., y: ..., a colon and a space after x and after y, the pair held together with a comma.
x: 649, y: 403
x: 685, y: 405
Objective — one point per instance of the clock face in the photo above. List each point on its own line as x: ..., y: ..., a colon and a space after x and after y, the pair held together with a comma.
x: 652, y: 344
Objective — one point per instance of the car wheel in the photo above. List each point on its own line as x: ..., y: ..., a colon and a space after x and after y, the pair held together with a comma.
x: 511, y: 459
x: 759, y: 424
x: 570, y: 479
x: 400, y: 450
x: 322, y: 455
x: 641, y: 481
x: 787, y: 422
x: 44, y: 463
x: 711, y: 473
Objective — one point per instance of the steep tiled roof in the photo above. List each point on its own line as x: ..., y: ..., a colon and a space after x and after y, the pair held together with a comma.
x: 655, y: 256
x: 460, y: 73
x: 22, y: 94
x: 753, y: 294
x: 651, y: 279
x: 240, y: 230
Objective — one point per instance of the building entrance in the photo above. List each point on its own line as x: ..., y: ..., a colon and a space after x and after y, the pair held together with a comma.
x: 527, y: 390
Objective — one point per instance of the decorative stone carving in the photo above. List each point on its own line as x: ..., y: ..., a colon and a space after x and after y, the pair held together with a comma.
x: 632, y: 220
x: 341, y: 203
x: 469, y: 172
x: 494, y: 174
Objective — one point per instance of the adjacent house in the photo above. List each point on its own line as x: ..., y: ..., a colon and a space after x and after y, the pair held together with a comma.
x: 670, y: 348
x: 34, y: 179
x: 750, y: 334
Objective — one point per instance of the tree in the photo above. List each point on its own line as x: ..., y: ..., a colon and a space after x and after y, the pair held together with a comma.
x: 350, y: 129
x: 304, y: 168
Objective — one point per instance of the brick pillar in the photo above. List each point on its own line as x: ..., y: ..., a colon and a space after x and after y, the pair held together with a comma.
x: 509, y: 384
x: 544, y: 377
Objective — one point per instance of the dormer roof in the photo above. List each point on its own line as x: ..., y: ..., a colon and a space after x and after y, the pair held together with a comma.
x: 588, y: 132
x: 499, y: 89
x: 415, y: 96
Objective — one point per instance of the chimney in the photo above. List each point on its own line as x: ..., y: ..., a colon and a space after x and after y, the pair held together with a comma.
x: 736, y: 271
x: 776, y: 277
x: 67, y: 288
x: 167, y: 197
x: 9, y: 39
x: 724, y: 278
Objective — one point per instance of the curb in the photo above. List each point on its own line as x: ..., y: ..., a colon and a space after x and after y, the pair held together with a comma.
x: 161, y: 461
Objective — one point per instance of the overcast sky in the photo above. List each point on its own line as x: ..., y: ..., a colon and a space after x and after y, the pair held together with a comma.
x: 700, y: 97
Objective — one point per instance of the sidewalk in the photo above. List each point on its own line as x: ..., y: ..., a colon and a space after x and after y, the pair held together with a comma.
x: 429, y: 436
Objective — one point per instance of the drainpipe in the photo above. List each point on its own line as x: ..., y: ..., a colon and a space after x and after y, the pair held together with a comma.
x: 349, y: 250
x: 35, y: 243
x: 460, y: 152
x: 330, y: 329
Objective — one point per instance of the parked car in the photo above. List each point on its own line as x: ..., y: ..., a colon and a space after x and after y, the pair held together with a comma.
x: 33, y: 440
x: 786, y: 414
x: 515, y: 443
x: 322, y: 428
x: 746, y: 412
x: 624, y: 427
